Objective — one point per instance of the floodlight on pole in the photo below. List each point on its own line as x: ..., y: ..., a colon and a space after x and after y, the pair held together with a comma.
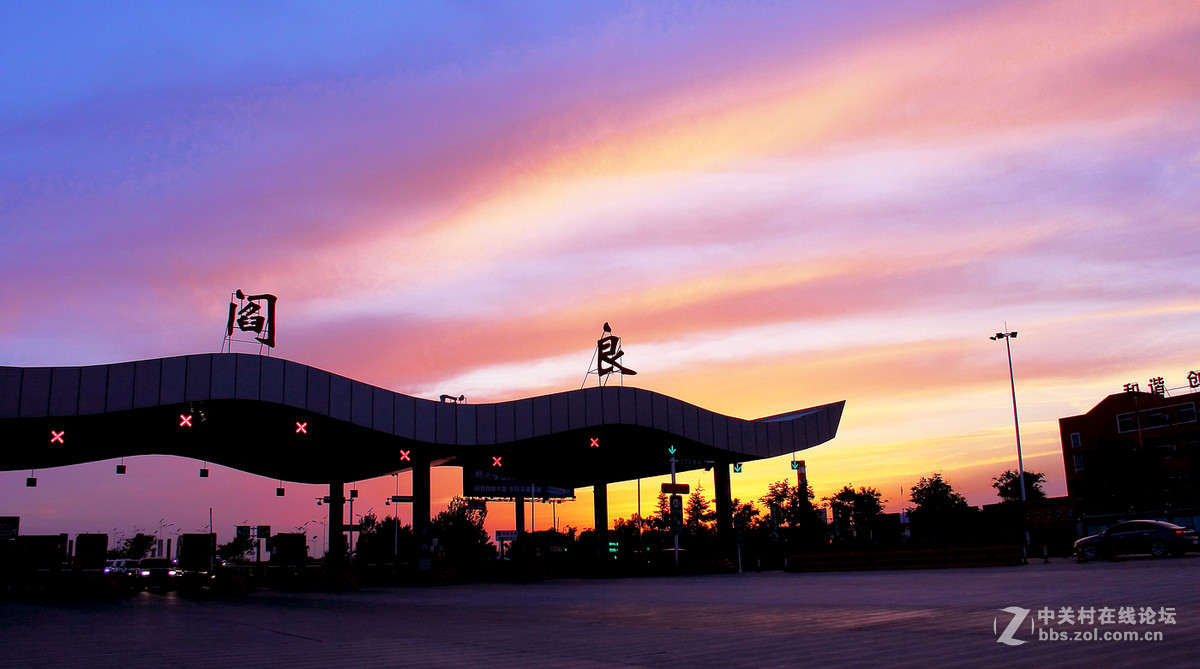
x: 1007, y: 336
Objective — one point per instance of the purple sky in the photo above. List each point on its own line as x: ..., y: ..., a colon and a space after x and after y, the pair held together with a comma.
x: 776, y: 205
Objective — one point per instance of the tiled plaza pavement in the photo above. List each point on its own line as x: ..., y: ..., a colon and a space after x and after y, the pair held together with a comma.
x: 927, y: 618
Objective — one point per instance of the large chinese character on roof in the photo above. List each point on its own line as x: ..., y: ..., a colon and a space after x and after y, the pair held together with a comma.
x: 608, y: 357
x: 247, y: 314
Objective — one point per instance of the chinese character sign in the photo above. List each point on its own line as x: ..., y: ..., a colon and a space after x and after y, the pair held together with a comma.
x: 1158, y: 386
x: 246, y: 314
x: 1194, y: 379
x: 608, y: 351
x: 1131, y: 388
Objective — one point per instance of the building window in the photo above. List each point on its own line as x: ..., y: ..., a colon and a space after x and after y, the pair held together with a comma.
x: 1078, y: 463
x: 1126, y: 422
x: 1075, y: 441
x: 1158, y: 419
x: 1187, y: 413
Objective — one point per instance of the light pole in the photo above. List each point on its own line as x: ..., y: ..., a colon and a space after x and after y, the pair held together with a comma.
x: 158, y: 539
x: 1006, y: 336
x: 321, y: 537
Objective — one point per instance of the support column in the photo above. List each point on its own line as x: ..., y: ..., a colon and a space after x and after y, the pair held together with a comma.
x: 519, y: 509
x: 600, y: 513
x: 420, y: 509
x: 724, y: 499
x: 337, y: 538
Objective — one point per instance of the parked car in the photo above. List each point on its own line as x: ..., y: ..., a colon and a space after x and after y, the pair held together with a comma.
x: 123, y: 566
x: 1156, y: 537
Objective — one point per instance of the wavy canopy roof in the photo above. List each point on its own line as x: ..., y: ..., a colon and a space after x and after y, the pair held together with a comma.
x: 290, y: 421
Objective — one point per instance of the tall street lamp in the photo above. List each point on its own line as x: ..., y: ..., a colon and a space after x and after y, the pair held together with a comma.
x: 1006, y: 336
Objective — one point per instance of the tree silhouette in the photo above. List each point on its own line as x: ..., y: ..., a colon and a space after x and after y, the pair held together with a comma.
x: 237, y: 549
x: 382, y: 541
x: 792, y: 516
x: 137, y: 546
x: 854, y: 512
x: 699, y: 517
x: 940, y: 514
x: 661, y: 518
x: 745, y: 515
x: 1009, y: 490
x: 462, y: 540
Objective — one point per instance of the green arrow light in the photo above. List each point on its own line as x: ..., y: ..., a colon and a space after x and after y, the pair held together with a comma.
x: 671, y: 449
x: 795, y: 464
x: 737, y: 468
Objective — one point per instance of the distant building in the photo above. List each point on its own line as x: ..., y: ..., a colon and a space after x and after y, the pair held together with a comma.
x: 1134, y: 453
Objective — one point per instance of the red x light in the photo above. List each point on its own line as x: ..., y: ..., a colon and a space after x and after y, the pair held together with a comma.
x: 56, y: 436
x: 185, y: 420
x: 404, y: 456
x: 595, y: 442
x: 496, y: 460
x: 301, y: 428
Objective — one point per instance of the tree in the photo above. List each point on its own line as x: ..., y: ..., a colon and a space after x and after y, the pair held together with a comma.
x: 854, y: 511
x: 137, y: 546
x: 934, y: 494
x: 791, y: 514
x: 625, y: 532
x: 384, y: 541
x: 460, y: 534
x: 661, y: 518
x: 237, y: 549
x: 368, y: 522
x: 940, y: 512
x: 745, y: 515
x: 698, y: 515
x: 787, y: 504
x: 1009, y: 490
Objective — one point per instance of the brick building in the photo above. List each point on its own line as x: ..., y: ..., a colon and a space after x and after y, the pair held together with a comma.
x: 1135, y: 453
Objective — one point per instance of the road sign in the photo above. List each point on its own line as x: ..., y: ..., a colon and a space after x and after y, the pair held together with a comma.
x: 676, y: 488
x: 506, y: 535
x: 695, y: 462
x: 484, y: 481
x: 676, y: 507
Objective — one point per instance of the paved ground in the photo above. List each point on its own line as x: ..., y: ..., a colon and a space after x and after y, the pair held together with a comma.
x: 933, y: 618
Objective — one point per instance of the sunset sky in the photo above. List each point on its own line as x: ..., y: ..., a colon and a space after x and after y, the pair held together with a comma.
x: 775, y: 205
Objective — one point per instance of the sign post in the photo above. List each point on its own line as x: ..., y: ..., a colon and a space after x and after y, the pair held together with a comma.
x: 675, y: 500
x: 505, y: 537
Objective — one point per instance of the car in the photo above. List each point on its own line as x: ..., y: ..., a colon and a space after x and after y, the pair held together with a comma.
x: 1155, y: 537
x: 158, y: 573
x: 122, y: 566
